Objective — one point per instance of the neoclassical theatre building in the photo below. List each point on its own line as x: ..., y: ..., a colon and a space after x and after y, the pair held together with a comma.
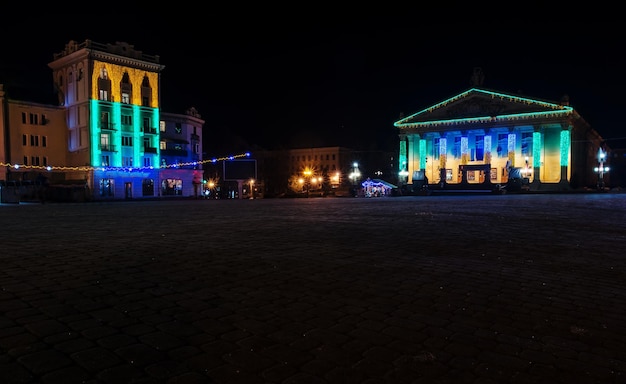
x: 482, y: 139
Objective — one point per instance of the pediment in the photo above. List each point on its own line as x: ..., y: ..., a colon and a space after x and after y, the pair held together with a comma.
x: 481, y: 106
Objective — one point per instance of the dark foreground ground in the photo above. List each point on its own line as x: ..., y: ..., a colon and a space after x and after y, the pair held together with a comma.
x: 437, y: 289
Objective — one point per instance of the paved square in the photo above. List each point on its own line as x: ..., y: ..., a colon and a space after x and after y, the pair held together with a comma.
x: 422, y: 289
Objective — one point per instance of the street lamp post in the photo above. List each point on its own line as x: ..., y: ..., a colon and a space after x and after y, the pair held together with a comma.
x: 601, y: 169
x: 355, y: 175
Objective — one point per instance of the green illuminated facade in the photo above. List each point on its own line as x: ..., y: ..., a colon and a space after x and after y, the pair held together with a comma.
x: 111, y: 94
x: 477, y: 138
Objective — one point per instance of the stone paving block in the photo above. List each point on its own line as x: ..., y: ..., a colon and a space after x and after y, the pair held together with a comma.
x: 44, y: 361
x: 140, y: 355
x: 64, y: 375
x: 96, y: 359
x: 14, y: 373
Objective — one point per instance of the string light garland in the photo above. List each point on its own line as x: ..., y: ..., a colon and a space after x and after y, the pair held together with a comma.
x: 126, y: 169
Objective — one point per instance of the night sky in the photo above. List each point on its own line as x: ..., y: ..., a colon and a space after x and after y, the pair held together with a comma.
x: 325, y: 81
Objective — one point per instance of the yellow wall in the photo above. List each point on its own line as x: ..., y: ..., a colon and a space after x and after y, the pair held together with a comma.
x: 136, y: 76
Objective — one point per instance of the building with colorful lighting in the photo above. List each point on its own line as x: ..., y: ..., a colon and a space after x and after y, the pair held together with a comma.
x: 481, y: 139
x: 107, y: 133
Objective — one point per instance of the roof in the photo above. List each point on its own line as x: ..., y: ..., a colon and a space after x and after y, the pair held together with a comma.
x: 479, y: 106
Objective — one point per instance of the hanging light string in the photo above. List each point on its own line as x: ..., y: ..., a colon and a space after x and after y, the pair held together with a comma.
x: 127, y: 169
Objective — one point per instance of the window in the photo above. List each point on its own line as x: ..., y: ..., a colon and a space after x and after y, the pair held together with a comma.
x: 23, y: 117
x: 33, y: 118
x: 127, y: 120
x: 107, y: 187
x: 105, y: 142
x: 146, y: 92
x: 146, y: 124
x: 45, y: 161
x: 147, y: 162
x: 172, y: 187
x: 105, y: 160
x: 127, y: 141
x: 162, y: 145
x: 104, y: 85
x: 44, y: 141
x: 104, y: 120
x: 126, y: 88
x: 34, y: 141
x: 24, y: 140
x: 162, y: 126
x: 127, y: 161
x: 147, y: 187
x: 25, y: 160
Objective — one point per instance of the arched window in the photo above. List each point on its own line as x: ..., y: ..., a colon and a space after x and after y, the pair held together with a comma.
x: 104, y: 86
x: 127, y: 89
x: 146, y: 92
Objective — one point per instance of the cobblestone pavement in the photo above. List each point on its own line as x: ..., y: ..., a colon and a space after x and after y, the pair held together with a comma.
x: 422, y: 289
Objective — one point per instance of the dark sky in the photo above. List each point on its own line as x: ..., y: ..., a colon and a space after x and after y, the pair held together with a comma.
x: 317, y: 80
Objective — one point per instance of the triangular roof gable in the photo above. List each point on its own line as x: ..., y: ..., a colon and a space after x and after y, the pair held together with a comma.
x: 482, y: 106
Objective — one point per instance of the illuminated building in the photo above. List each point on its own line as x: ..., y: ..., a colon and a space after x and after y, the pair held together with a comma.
x: 107, y: 132
x: 482, y: 139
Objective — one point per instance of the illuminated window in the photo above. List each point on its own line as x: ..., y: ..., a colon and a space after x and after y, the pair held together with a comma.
x: 107, y: 187
x: 105, y: 142
x: 104, y: 85
x: 162, y: 145
x: 126, y: 88
x: 171, y: 187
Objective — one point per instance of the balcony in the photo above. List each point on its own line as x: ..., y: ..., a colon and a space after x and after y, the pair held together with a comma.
x: 107, y: 148
x: 149, y: 150
x: 149, y: 130
x: 106, y: 126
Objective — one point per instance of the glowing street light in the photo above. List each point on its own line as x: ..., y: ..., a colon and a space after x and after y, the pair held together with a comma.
x: 601, y: 169
x: 251, y: 189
